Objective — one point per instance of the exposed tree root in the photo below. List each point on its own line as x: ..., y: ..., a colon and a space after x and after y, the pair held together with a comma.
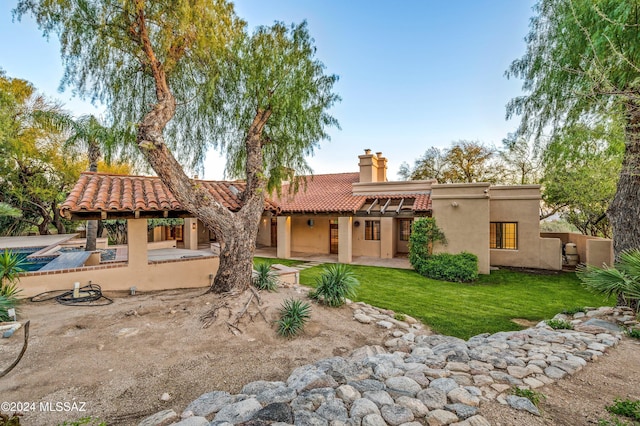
x: 24, y: 349
x: 253, y: 301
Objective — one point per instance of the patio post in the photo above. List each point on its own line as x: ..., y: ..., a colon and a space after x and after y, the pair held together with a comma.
x: 345, y: 237
x: 190, y: 233
x: 137, y: 243
x: 284, y: 237
x: 387, y: 238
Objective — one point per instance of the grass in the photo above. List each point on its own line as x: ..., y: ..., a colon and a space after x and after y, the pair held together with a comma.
x: 558, y: 324
x: 285, y: 262
x: 534, y: 396
x: 627, y: 408
x: 464, y: 310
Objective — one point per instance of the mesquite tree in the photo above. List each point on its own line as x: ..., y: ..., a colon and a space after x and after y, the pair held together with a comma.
x: 188, y: 74
x: 582, y: 65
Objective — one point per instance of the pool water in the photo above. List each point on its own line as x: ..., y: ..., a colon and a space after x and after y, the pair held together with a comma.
x: 31, y: 265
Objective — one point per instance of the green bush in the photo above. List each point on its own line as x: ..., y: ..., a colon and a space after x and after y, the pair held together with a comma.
x: 534, y: 396
x: 11, y: 265
x: 264, y: 278
x: 335, y: 285
x: 574, y: 310
x: 294, y: 314
x: 635, y: 333
x: 461, y: 267
x: 559, y: 324
x: 626, y: 408
x: 424, y: 233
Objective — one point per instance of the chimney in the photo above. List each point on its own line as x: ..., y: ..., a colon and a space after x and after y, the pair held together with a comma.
x: 368, y: 167
x: 382, y: 167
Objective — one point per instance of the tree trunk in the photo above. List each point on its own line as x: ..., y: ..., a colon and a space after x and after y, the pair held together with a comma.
x: 624, y: 211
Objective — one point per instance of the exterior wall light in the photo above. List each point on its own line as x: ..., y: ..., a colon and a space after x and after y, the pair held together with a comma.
x: 454, y: 204
x: 310, y: 223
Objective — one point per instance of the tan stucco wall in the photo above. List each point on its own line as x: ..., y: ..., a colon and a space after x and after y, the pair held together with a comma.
x: 362, y: 247
x: 521, y: 204
x: 153, y: 276
x: 591, y: 250
x: 310, y: 239
x: 284, y: 237
x: 462, y: 212
x: 136, y: 272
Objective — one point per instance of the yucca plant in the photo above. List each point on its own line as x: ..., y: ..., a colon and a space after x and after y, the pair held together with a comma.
x: 621, y: 280
x: 11, y: 265
x: 264, y: 278
x: 294, y: 314
x: 335, y: 285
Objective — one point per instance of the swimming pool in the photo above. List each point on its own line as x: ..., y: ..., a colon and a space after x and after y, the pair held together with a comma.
x: 31, y: 265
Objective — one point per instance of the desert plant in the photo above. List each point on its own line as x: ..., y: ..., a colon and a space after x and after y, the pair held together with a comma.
x: 424, y: 233
x: 399, y: 317
x: 635, y: 333
x: 461, y: 267
x: 622, y: 280
x: 559, y: 324
x: 335, y: 285
x: 534, y: 396
x: 10, y: 419
x: 574, y: 310
x: 264, y: 278
x: 11, y: 265
x: 89, y: 421
x: 626, y: 408
x: 294, y: 314
x: 613, y: 421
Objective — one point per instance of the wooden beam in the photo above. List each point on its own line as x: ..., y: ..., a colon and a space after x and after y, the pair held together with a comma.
x: 400, y: 206
x: 372, y: 205
x: 383, y: 209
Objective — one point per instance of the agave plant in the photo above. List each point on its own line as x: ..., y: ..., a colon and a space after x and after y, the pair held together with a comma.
x: 621, y: 280
x: 335, y: 285
x: 294, y: 314
x: 264, y: 278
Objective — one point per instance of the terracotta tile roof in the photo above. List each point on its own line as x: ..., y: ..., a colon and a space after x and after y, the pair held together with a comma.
x: 98, y: 192
x: 322, y: 194
x: 328, y: 193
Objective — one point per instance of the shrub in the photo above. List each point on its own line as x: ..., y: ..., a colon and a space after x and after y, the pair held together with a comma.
x: 89, y: 421
x: 264, y: 278
x: 424, y: 233
x: 559, y: 324
x: 635, y: 333
x: 534, y: 396
x: 626, y: 408
x: 11, y: 265
x: 461, y: 267
x: 574, y: 310
x: 293, y: 316
x: 623, y: 280
x: 335, y: 285
x: 399, y: 317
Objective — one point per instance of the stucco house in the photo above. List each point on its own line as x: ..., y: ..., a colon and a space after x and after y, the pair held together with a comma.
x: 344, y: 215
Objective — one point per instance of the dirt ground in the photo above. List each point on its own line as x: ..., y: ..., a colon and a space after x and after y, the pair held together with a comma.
x: 116, y: 361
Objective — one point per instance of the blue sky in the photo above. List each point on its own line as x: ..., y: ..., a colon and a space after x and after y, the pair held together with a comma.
x: 413, y: 73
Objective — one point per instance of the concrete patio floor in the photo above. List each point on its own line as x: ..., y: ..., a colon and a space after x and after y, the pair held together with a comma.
x: 396, y: 262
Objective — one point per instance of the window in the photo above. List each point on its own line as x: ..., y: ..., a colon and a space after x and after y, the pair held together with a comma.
x: 372, y: 230
x: 405, y: 229
x: 503, y: 235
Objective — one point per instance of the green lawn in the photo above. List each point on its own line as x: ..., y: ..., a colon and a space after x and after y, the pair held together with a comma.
x: 464, y: 310
x: 285, y: 262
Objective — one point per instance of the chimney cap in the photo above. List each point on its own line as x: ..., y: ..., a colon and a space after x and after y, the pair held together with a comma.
x: 379, y: 154
x: 367, y: 151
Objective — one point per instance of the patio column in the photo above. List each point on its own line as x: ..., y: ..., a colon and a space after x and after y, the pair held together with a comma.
x: 345, y: 234
x: 190, y: 233
x: 284, y: 237
x: 137, y: 243
x: 387, y: 238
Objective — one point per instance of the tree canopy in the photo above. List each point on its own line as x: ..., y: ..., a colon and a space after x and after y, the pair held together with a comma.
x: 582, y: 65
x: 189, y: 76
